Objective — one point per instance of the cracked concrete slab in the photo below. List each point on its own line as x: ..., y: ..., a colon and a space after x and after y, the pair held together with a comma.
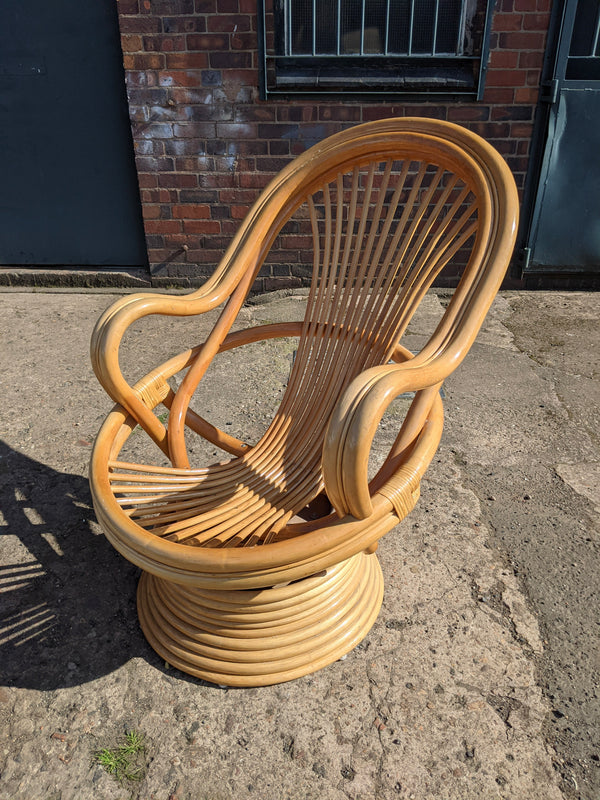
x: 469, y: 680
x: 584, y: 478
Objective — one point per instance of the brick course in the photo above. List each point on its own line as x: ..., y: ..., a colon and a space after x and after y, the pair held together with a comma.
x: 206, y: 144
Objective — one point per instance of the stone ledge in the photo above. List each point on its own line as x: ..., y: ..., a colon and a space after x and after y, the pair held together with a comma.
x: 73, y: 278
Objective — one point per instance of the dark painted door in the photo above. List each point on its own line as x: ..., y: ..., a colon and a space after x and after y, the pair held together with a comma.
x: 68, y: 187
x: 565, y: 233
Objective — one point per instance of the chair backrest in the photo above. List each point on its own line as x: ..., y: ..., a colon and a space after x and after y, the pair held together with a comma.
x: 387, y: 205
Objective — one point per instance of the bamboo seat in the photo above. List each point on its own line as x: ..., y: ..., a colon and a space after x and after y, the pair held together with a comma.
x: 262, y: 568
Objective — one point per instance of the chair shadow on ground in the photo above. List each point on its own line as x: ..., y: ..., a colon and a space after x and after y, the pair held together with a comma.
x: 67, y: 598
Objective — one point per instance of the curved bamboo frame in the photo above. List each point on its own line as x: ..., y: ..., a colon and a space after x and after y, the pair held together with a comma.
x: 389, y: 204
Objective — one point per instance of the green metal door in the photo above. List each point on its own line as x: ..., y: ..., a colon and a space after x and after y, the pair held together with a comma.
x: 68, y: 188
x: 565, y: 231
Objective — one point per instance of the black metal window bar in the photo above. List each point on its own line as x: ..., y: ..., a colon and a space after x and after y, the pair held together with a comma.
x: 374, y: 45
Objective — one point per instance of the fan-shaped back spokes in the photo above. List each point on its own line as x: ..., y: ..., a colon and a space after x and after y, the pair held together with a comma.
x: 383, y: 224
x: 381, y: 234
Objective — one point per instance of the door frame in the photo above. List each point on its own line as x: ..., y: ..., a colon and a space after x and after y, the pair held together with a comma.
x: 555, y: 58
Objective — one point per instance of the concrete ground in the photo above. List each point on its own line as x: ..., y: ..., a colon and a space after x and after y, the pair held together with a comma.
x: 479, y: 678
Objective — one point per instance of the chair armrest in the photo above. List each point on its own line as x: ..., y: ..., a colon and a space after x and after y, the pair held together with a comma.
x: 352, y: 427
x: 108, y: 334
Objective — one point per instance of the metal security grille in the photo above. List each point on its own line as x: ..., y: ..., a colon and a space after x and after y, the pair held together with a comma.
x: 584, y: 51
x: 366, y: 46
x: 377, y: 27
x: 586, y: 31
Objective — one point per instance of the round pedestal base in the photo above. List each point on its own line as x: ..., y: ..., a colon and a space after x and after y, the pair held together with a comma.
x: 265, y: 636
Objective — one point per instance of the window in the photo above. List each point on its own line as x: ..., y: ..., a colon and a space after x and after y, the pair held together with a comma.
x: 584, y: 53
x: 366, y: 46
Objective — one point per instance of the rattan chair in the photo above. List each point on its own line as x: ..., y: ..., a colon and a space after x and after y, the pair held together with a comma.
x: 237, y: 588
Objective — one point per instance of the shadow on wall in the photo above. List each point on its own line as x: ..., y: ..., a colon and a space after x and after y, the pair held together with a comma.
x: 67, y: 598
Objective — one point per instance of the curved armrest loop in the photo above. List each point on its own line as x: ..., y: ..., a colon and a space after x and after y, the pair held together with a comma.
x: 112, y: 325
x: 351, y: 431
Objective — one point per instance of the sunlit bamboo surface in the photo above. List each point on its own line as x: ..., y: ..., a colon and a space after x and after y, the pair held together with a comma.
x: 238, y: 588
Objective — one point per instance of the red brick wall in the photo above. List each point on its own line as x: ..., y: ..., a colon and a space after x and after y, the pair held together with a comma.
x: 206, y: 144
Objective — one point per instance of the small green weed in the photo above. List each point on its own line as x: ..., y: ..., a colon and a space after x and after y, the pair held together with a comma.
x: 160, y: 417
x: 124, y: 761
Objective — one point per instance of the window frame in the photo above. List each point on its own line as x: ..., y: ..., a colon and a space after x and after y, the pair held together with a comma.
x: 372, y: 75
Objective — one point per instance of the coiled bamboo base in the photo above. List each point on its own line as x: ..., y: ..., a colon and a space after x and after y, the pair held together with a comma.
x: 265, y: 636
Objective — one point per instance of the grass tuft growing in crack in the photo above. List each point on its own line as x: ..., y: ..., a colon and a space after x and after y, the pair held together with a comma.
x: 124, y: 762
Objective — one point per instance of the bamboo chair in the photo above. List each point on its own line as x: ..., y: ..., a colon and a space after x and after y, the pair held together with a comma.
x: 236, y: 588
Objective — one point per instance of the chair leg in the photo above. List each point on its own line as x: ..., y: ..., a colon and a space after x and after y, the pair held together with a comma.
x: 264, y: 636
